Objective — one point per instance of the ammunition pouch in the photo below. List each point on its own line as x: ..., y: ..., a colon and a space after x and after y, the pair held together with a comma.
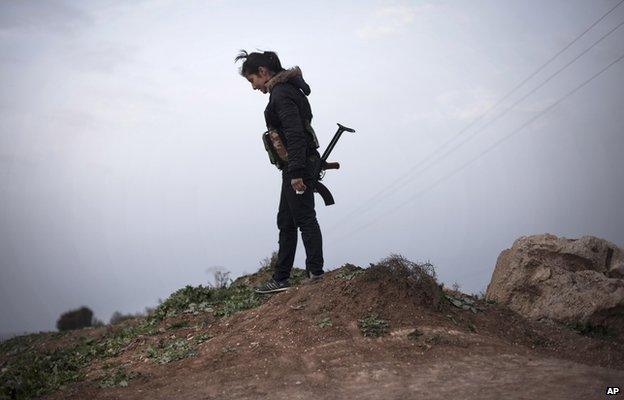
x: 274, y: 145
x: 275, y: 148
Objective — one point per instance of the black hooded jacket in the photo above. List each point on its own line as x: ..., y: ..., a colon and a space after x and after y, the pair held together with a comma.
x: 287, y: 112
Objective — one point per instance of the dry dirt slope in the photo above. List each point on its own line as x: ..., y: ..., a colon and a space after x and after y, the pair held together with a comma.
x: 307, y: 343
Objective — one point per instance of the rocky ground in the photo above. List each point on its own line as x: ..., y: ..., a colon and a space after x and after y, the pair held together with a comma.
x: 386, y: 332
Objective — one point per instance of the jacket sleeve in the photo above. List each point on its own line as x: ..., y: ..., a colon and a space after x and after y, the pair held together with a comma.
x: 296, y: 143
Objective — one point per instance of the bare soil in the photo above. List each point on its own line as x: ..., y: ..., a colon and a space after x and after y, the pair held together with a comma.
x: 305, y: 343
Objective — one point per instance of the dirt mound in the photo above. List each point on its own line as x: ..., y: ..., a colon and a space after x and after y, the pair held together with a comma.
x: 387, y: 331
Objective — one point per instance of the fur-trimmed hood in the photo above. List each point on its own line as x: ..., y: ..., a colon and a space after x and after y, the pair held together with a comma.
x: 292, y: 75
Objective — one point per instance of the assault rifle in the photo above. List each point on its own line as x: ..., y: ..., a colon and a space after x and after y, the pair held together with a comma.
x: 279, y: 156
x: 324, y: 165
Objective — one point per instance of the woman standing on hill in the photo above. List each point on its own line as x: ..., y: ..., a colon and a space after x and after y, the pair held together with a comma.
x: 288, y: 112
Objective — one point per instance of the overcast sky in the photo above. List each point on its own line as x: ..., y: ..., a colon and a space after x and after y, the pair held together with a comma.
x: 131, y: 161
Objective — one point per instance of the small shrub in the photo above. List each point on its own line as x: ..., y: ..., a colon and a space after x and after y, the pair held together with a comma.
x: 349, y: 271
x: 418, y: 279
x: 202, y: 337
x: 228, y: 349
x: 373, y: 326
x: 167, y: 351
x: 221, y: 279
x: 223, y: 302
x: 323, y: 322
x: 241, y: 298
x: 177, y: 325
x: 75, y: 319
x: 118, y: 317
x: 96, y: 323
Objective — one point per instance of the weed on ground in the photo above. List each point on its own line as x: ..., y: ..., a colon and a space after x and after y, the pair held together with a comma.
x: 116, y: 377
x: 193, y: 300
x: 591, y: 330
x: 349, y: 271
x: 33, y: 373
x: 170, y: 350
x: 30, y: 372
x: 373, y: 326
x: 324, y: 322
x: 418, y: 279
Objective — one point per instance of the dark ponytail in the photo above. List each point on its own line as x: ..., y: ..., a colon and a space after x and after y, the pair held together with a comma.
x: 253, y: 61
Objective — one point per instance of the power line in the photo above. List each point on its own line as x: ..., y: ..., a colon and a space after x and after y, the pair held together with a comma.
x: 496, y: 144
x: 391, y: 187
x: 483, y: 127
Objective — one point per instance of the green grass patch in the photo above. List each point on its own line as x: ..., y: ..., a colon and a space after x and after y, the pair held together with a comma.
x: 324, y: 322
x: 193, y: 300
x: 31, y: 373
x: 177, y: 325
x: 297, y: 276
x: 349, y: 271
x: 118, y: 377
x: 28, y: 372
x: 118, y: 339
x: 170, y: 350
x: 202, y: 337
x: 228, y: 349
x: 373, y: 326
x: 240, y: 298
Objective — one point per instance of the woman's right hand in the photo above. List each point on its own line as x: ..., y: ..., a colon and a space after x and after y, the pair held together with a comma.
x: 298, y: 185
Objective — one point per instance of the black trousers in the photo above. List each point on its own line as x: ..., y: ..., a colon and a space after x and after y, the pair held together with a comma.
x: 296, y: 211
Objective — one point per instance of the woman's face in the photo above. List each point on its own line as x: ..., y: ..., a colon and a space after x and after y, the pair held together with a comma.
x: 258, y: 81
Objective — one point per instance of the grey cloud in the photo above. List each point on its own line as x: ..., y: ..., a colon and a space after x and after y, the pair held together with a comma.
x: 42, y: 17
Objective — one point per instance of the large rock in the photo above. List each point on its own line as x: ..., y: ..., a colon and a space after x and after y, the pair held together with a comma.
x: 567, y: 280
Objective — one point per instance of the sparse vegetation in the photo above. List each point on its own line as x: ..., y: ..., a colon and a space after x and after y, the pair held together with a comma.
x: 33, y: 372
x: 34, y: 365
x: 229, y: 349
x: 202, y: 337
x: 592, y: 330
x: 373, y: 326
x: 168, y: 350
x: 463, y: 302
x: 324, y: 322
x: 118, y: 317
x: 418, y: 279
x: 119, y: 377
x: 480, y: 296
x: 221, y: 278
x: 349, y: 271
x: 30, y: 371
x: 116, y: 340
x: 177, y: 325
x: 193, y: 300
